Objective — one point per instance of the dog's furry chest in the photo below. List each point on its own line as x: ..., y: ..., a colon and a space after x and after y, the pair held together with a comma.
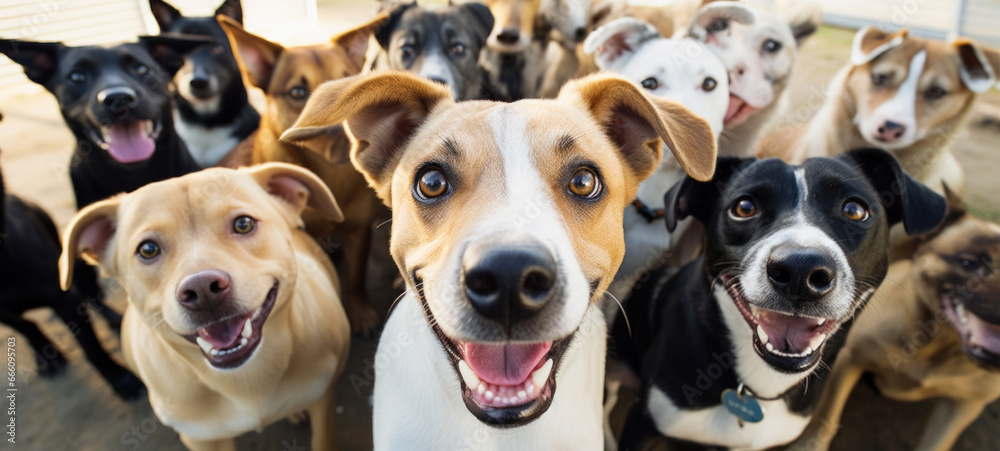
x: 206, y: 145
x: 411, y: 364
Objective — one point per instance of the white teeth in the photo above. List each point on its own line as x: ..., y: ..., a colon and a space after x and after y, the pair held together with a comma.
x: 821, y: 338
x: 481, y: 389
x: 469, y: 376
x: 489, y: 395
x: 214, y: 351
x: 808, y: 351
x: 541, y: 375
x: 530, y: 388
x: 243, y: 342
x: 761, y: 334
x: 521, y: 394
x: 247, y: 329
x: 770, y: 347
x: 960, y: 312
x: 821, y: 321
x: 205, y: 345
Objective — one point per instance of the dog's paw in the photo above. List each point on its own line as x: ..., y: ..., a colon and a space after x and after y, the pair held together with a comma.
x: 127, y: 386
x: 364, y: 320
x: 52, y: 365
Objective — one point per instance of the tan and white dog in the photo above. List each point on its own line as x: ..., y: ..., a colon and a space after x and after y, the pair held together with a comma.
x: 759, y: 54
x: 234, y: 318
x: 507, y: 228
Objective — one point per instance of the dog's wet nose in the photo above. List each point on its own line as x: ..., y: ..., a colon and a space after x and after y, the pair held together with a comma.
x: 199, y: 83
x: 118, y: 97
x: 890, y: 131
x: 204, y: 290
x: 509, y: 36
x: 508, y: 283
x: 801, y: 274
x: 580, y: 34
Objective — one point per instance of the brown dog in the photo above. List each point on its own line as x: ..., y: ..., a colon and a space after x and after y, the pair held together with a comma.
x: 932, y: 330
x: 233, y: 318
x: 288, y: 76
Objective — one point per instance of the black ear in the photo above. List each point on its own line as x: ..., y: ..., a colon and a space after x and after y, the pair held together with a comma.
x: 905, y: 199
x: 383, y: 34
x: 690, y: 197
x: 231, y: 9
x: 169, y: 49
x: 483, y: 19
x: 164, y: 14
x: 39, y: 59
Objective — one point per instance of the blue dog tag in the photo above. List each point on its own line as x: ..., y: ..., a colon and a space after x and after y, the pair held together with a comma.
x: 745, y: 407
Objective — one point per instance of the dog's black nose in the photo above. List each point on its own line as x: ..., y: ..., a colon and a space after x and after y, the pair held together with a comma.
x: 581, y: 33
x: 801, y: 273
x: 118, y: 97
x: 204, y: 290
x: 509, y: 36
x: 199, y: 84
x: 509, y: 282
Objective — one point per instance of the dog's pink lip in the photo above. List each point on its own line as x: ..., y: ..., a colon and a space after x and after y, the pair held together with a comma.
x: 979, y: 338
x: 738, y: 112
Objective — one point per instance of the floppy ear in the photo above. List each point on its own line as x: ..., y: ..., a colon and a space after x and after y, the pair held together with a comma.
x: 255, y: 55
x: 297, y: 186
x: 381, y: 112
x: 690, y: 197
x: 870, y: 42
x: 231, y: 9
x: 88, y: 236
x: 482, y: 17
x: 39, y: 59
x: 355, y: 41
x: 905, y: 199
x: 168, y: 49
x: 164, y: 14
x: 385, y: 32
x: 715, y: 17
x: 980, y: 66
x: 617, y: 41
x: 636, y: 124
x: 803, y: 17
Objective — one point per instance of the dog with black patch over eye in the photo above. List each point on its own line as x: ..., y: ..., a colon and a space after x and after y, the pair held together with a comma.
x: 507, y: 228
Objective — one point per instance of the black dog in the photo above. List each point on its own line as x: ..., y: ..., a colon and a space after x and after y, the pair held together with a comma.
x: 211, y: 110
x: 29, y: 278
x: 116, y: 103
x: 792, y: 254
x: 441, y: 44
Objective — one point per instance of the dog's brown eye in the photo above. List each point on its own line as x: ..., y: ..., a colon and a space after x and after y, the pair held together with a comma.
x: 743, y: 209
x: 855, y: 211
x: 585, y: 183
x: 244, y: 225
x: 432, y: 183
x: 148, y: 250
x: 771, y: 46
x: 298, y: 93
x: 934, y: 93
x: 458, y: 49
x: 651, y: 83
x: 709, y: 84
x: 879, y: 79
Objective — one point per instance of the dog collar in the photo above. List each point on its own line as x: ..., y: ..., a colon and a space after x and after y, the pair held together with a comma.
x: 646, y: 212
x: 743, y: 404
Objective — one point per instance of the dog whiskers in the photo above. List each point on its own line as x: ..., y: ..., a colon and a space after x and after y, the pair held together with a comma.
x: 379, y: 226
x: 621, y: 307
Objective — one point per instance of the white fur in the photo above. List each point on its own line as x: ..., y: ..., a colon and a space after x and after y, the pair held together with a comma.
x: 981, y: 84
x: 900, y: 109
x: 435, y: 66
x: 206, y: 145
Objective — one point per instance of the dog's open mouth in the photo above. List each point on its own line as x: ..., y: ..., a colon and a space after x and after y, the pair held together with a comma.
x: 739, y: 110
x: 789, y: 343
x: 128, y: 141
x: 980, y: 339
x: 503, y: 384
x: 230, y: 342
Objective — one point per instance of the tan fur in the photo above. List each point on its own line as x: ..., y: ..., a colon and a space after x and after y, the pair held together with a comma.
x: 906, y: 340
x: 276, y: 70
x: 514, y: 14
x: 304, y: 340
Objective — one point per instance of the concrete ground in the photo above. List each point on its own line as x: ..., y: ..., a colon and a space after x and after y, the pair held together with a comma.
x: 76, y: 410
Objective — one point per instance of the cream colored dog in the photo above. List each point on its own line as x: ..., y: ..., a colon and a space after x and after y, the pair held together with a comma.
x: 234, y: 319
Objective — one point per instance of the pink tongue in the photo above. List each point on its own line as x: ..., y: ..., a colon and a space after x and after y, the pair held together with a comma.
x: 223, y: 334
x: 789, y: 334
x: 128, y: 142
x: 983, y: 334
x: 504, y: 364
x: 735, y: 103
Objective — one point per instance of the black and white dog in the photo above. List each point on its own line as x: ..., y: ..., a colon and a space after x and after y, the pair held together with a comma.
x: 115, y: 102
x: 439, y: 43
x: 211, y: 110
x: 733, y: 347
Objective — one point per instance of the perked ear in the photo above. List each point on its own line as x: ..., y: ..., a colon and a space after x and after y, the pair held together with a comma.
x: 481, y: 14
x: 905, y: 199
x: 255, y: 55
x: 690, y: 197
x: 88, y: 236
x: 381, y: 111
x: 715, y: 17
x: 618, y: 40
x: 169, y: 49
x: 870, y: 42
x: 636, y: 124
x: 231, y: 9
x: 39, y: 59
x: 297, y: 186
x: 164, y: 14
x: 355, y: 41
x: 385, y: 32
x: 979, y: 66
